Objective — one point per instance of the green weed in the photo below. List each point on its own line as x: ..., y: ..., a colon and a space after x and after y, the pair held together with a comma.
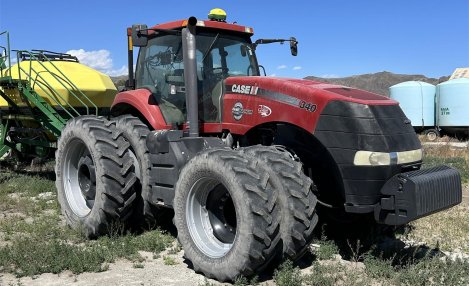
x: 327, y: 249
x: 288, y: 275
x: 169, y: 260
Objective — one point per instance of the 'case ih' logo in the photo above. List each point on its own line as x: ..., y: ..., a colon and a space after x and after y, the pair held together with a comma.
x: 244, y: 89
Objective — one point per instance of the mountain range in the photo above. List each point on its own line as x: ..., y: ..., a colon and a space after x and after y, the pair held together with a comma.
x: 374, y: 82
x: 378, y: 82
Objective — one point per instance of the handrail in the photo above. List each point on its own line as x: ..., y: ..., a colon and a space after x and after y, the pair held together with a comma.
x: 75, y: 87
x: 51, y: 96
x: 7, y: 51
x: 71, y: 88
x: 33, y: 82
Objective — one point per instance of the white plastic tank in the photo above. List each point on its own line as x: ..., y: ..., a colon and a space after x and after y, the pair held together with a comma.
x: 453, y: 105
x: 417, y: 100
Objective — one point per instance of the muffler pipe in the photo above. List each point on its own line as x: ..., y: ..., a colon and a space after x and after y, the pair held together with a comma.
x: 190, y: 76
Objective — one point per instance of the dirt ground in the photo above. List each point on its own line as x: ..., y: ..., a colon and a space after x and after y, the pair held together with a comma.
x: 154, y: 272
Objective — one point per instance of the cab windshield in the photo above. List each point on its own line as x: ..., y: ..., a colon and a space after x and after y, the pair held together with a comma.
x: 227, y: 54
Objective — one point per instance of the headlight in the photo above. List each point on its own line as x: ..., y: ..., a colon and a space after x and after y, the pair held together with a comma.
x: 370, y: 158
x: 409, y: 156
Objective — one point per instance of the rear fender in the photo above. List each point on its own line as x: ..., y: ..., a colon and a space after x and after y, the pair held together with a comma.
x: 143, y: 101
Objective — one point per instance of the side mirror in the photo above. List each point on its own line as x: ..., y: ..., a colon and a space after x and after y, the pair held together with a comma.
x: 139, y: 35
x: 243, y: 51
x: 293, y: 46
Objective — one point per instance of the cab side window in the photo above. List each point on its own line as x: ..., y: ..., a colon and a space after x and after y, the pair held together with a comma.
x: 160, y: 70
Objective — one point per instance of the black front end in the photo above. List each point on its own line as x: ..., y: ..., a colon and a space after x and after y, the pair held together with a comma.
x: 397, y: 192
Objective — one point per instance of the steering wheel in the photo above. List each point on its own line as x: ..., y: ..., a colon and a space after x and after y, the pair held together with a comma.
x: 223, y: 70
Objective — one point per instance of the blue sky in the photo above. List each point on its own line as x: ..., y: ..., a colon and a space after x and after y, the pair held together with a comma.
x: 336, y: 37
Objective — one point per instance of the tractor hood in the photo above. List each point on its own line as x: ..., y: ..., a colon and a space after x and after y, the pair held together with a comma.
x: 302, y: 90
x: 295, y: 101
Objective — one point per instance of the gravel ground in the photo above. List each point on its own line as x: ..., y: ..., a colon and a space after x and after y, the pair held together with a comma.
x: 156, y: 271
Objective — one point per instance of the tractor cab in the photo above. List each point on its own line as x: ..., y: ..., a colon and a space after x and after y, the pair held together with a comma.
x: 219, y: 54
x: 222, y: 50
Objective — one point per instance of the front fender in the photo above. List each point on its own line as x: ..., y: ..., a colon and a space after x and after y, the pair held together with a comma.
x: 142, y: 100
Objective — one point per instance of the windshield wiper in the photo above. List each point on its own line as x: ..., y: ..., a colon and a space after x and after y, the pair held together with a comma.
x: 210, y: 47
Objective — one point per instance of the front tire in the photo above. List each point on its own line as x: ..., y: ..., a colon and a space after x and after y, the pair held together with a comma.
x: 296, y: 199
x: 226, y: 214
x: 95, y: 176
x: 135, y: 132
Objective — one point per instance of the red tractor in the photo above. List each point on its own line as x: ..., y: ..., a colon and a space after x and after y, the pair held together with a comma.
x: 235, y: 154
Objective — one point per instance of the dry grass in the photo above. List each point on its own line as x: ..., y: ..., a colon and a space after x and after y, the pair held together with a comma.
x: 447, y: 154
x: 34, y: 238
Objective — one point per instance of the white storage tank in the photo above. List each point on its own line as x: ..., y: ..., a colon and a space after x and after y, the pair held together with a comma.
x: 453, y: 106
x: 417, y: 100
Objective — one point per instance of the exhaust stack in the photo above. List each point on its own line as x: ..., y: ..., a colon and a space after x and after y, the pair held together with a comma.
x: 190, y: 76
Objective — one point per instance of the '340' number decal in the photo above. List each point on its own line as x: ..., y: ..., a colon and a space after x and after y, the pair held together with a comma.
x: 311, y: 107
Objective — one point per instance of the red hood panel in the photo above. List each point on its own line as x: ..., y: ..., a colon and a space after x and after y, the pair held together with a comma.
x: 309, y: 90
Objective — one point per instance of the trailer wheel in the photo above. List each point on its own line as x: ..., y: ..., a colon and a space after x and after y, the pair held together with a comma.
x: 95, y: 176
x: 296, y: 199
x: 226, y: 214
x: 432, y: 134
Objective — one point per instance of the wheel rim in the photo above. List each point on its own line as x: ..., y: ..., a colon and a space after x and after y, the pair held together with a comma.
x: 431, y: 136
x: 211, y: 217
x: 79, y: 178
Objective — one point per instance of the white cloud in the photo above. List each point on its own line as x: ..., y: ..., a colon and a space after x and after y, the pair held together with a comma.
x: 273, y: 74
x: 124, y: 70
x: 100, y: 60
x: 297, y: 68
x: 329, y: 76
x: 281, y: 67
x: 12, y: 61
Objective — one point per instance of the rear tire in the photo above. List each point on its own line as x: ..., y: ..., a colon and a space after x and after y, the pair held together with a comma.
x: 136, y: 132
x: 226, y: 214
x: 296, y: 199
x: 95, y: 176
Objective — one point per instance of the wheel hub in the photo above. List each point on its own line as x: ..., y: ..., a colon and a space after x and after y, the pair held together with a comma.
x: 87, y: 179
x: 221, y: 214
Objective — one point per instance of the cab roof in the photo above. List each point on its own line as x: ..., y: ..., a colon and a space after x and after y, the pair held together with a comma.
x: 206, y: 23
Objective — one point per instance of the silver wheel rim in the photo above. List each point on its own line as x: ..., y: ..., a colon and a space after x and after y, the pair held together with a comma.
x: 77, y: 166
x: 210, y: 217
x: 431, y: 136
